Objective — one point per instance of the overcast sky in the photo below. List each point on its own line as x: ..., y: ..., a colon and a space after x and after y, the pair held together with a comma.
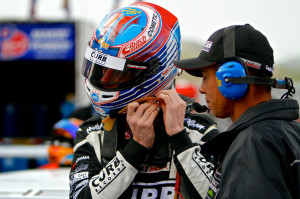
x: 277, y: 19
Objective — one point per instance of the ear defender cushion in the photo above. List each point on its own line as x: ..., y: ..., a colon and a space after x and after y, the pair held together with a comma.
x: 230, y: 90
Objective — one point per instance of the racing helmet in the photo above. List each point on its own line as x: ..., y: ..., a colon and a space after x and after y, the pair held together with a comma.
x: 61, y: 149
x: 131, y: 56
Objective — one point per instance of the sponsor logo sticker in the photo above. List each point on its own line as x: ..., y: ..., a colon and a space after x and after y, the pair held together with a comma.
x: 268, y: 68
x: 81, y: 167
x: 108, y: 174
x: 95, y: 97
x: 80, y: 176
x: 96, y: 127
x: 207, y: 46
x: 82, y: 158
x: 98, y: 58
x: 131, y: 11
x: 153, y: 25
x: 205, y: 166
x: 192, y: 123
x: 136, y: 44
x: 252, y: 64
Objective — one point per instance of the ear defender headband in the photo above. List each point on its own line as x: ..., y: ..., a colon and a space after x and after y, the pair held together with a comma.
x: 232, y: 76
x: 231, y: 69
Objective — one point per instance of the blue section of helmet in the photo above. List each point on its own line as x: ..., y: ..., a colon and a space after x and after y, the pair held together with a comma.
x: 130, y: 30
x: 66, y: 125
x: 128, y: 34
x: 127, y: 31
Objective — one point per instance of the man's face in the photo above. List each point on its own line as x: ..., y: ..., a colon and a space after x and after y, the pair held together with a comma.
x: 216, y: 102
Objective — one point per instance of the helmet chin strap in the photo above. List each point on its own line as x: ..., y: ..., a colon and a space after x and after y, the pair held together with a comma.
x: 109, y: 121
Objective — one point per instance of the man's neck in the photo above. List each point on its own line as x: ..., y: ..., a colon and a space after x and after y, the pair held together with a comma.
x: 241, y: 105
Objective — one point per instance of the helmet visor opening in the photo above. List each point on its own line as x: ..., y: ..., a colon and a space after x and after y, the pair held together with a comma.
x: 110, y: 73
x: 110, y: 79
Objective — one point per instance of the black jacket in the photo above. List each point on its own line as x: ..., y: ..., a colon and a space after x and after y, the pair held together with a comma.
x: 259, y: 155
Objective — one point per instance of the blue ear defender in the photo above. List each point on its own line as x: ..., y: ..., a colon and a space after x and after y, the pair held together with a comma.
x: 231, y: 69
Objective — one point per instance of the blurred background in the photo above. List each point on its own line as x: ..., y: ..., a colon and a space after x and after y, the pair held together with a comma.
x: 42, y: 43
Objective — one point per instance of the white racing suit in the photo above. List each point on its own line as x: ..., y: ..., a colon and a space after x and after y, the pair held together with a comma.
x: 110, y: 164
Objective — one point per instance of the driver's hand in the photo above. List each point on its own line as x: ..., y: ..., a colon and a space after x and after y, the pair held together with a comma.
x: 173, y: 110
x: 140, y: 118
